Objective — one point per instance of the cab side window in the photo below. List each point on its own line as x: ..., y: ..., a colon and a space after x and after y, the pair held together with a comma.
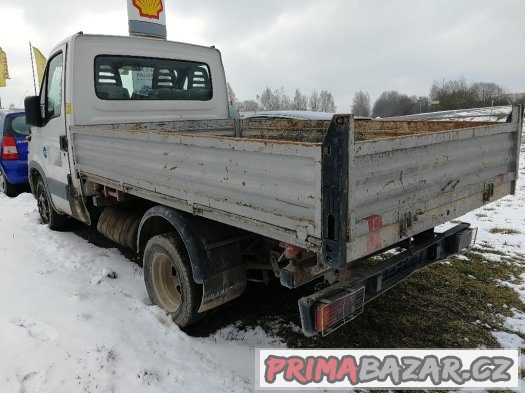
x: 51, y: 95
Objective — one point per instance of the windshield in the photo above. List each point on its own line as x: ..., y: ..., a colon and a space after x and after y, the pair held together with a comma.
x: 15, y: 125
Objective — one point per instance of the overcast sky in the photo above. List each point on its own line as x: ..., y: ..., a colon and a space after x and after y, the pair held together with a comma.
x: 338, y: 45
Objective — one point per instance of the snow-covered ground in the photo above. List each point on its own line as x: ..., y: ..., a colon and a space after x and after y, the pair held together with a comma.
x: 496, y: 113
x: 66, y: 326
x: 76, y: 318
x: 508, y: 217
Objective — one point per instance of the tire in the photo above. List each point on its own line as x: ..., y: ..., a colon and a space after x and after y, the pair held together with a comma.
x: 48, y: 214
x: 11, y: 190
x: 169, y: 279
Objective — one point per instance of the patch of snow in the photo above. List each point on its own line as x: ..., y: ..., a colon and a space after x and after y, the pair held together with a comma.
x: 516, y: 323
x: 76, y: 317
x: 509, y: 340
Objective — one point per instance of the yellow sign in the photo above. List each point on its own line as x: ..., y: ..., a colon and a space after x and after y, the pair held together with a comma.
x: 40, y: 61
x: 4, y: 70
x: 149, y: 8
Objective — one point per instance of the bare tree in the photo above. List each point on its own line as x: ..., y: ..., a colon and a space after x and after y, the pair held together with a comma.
x: 273, y: 100
x: 232, y: 98
x: 268, y: 101
x: 488, y: 93
x: 248, y: 106
x: 453, y: 94
x: 314, y: 102
x: 327, y: 102
x: 393, y: 103
x: 300, y: 101
x: 361, y: 104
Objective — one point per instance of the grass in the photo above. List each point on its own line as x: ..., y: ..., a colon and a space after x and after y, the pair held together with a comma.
x: 504, y: 231
x: 453, y: 305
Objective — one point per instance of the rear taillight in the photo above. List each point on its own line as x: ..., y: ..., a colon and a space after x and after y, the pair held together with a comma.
x: 341, y: 307
x: 9, y: 150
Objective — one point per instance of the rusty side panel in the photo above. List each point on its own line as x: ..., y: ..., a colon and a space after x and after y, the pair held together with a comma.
x: 404, y: 186
x: 404, y: 177
x: 226, y: 179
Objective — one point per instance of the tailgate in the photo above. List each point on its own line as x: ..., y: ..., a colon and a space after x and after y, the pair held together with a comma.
x: 401, y: 186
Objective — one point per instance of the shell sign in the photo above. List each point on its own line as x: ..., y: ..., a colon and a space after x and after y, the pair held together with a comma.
x: 147, y: 18
x: 149, y: 8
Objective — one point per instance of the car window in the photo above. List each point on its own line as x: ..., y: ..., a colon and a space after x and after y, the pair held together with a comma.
x: 142, y: 78
x: 15, y: 125
x: 54, y: 87
x: 19, y: 125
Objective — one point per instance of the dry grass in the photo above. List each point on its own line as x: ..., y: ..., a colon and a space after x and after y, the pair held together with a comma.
x: 504, y: 231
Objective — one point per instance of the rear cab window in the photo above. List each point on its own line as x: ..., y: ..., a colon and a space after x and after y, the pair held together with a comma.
x: 15, y: 125
x: 142, y: 78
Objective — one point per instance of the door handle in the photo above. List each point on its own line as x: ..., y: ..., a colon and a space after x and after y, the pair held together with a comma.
x: 63, y: 143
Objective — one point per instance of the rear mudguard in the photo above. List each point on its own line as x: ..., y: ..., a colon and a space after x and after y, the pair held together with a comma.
x: 213, y: 249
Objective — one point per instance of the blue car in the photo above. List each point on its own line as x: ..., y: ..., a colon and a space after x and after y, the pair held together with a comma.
x: 13, y: 152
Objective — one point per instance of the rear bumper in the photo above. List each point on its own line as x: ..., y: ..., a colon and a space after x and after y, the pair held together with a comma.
x: 15, y: 171
x: 327, y: 310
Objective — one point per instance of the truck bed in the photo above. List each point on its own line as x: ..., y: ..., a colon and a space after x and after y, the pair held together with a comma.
x: 358, y: 186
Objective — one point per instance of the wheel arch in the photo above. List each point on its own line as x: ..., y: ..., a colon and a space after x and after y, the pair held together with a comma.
x: 213, y: 250
x: 160, y: 220
x: 35, y: 172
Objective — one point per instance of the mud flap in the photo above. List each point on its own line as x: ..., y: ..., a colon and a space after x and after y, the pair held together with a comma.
x: 76, y: 201
x: 230, y: 281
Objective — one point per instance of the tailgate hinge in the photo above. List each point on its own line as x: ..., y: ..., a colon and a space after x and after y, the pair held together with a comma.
x: 488, y: 192
x: 406, y: 224
x: 334, y: 192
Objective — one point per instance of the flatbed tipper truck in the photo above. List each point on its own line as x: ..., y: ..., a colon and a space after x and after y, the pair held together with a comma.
x: 134, y: 136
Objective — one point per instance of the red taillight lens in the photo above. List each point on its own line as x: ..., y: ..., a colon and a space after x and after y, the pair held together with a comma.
x: 339, y: 308
x: 9, y: 150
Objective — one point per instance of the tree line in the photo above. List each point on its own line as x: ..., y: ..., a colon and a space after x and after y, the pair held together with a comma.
x: 273, y: 100
x: 444, y: 95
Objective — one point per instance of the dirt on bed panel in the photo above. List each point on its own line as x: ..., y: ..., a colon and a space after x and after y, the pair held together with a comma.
x: 314, y: 130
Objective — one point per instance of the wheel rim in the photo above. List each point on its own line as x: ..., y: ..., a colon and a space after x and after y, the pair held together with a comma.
x: 43, y: 206
x: 166, y: 283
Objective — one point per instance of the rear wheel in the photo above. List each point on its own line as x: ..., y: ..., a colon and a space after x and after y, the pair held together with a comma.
x: 11, y: 190
x: 48, y: 215
x: 169, y: 280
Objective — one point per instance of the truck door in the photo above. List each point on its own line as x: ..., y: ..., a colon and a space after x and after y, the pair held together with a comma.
x: 49, y: 143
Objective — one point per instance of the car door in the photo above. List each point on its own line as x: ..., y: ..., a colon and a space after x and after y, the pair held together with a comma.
x: 49, y: 143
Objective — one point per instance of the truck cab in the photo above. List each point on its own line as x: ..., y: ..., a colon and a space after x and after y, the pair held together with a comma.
x: 96, y: 80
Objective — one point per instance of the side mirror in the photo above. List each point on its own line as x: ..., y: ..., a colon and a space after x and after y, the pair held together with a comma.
x: 33, y: 113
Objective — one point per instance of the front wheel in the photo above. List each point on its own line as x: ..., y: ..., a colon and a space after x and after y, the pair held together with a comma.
x: 169, y: 280
x: 7, y: 188
x: 48, y: 214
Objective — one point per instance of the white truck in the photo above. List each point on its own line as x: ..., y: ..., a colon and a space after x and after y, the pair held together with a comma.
x: 134, y: 136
